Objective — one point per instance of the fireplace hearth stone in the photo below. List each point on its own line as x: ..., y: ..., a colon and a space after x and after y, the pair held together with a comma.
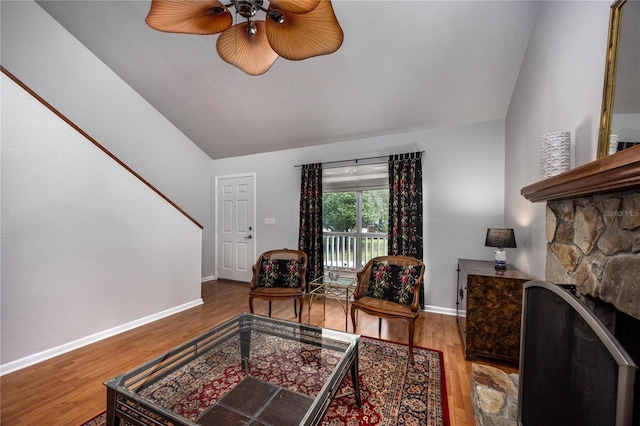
x: 495, y: 396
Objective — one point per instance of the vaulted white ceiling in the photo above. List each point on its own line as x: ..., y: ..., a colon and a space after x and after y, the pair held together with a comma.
x: 403, y: 66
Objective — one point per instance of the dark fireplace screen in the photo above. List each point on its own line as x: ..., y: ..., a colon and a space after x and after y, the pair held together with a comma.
x: 572, y: 370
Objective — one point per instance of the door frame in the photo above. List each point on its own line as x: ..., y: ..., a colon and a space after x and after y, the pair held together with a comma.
x: 217, y: 179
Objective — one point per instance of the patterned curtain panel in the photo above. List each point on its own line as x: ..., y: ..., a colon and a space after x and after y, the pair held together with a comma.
x: 405, y: 207
x: 310, y: 236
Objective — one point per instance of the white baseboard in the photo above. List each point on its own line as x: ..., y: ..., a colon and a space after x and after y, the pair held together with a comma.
x: 27, y: 361
x: 209, y: 278
x: 440, y: 310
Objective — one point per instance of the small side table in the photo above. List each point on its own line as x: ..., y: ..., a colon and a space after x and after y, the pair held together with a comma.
x: 492, y: 302
x: 341, y: 290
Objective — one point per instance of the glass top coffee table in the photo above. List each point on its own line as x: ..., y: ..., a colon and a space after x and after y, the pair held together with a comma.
x: 251, y: 370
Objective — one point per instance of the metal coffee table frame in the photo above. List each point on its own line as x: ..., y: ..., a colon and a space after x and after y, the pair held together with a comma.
x: 341, y: 290
x: 124, y: 402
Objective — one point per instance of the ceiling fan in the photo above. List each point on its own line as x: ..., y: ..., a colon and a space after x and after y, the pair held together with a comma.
x: 293, y: 29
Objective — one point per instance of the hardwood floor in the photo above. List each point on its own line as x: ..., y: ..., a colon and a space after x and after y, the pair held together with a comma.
x: 69, y: 390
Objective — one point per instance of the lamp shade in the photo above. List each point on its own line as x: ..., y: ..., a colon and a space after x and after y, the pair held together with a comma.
x: 500, y: 237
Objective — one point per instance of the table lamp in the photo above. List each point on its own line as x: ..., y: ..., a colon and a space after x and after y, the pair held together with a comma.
x: 500, y: 238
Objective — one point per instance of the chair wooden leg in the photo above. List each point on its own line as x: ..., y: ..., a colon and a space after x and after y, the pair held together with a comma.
x: 299, y: 314
x: 251, y: 304
x: 412, y: 327
x: 353, y: 318
x: 269, y: 307
x: 379, y: 326
x: 295, y: 309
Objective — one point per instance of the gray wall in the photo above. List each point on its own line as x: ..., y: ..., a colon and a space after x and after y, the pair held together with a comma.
x: 88, y: 250
x: 43, y: 55
x: 559, y: 88
x: 85, y: 255
x: 463, y: 182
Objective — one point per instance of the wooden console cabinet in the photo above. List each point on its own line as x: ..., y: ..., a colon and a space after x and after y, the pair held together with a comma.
x: 492, y: 300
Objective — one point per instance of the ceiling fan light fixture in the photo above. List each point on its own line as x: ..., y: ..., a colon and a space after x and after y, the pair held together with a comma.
x: 276, y: 16
x: 217, y: 10
x: 293, y: 29
x: 251, y: 28
x: 247, y: 8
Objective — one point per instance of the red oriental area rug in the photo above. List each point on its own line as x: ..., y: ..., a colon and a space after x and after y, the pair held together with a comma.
x: 393, y: 391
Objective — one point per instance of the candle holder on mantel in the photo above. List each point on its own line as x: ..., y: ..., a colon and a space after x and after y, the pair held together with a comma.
x: 555, y: 153
x: 613, y: 144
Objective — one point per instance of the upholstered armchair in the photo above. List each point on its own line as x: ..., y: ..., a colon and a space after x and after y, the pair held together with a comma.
x: 389, y: 287
x: 279, y: 275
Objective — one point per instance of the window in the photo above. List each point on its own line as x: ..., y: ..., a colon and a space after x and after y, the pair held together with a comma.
x: 355, y: 209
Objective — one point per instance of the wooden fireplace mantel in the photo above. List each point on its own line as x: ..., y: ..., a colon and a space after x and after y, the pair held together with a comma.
x: 616, y: 172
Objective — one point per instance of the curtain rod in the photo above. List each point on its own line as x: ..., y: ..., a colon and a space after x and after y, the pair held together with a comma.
x: 380, y: 157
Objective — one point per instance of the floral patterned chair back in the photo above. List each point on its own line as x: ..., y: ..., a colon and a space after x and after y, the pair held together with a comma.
x: 389, y: 287
x: 279, y: 275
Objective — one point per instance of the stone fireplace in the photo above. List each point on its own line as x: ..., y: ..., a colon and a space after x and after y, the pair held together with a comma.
x: 593, y: 242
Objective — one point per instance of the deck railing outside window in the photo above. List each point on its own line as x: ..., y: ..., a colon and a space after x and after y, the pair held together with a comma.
x: 340, y: 249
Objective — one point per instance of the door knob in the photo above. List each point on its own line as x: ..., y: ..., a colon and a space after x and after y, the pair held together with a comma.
x: 248, y: 236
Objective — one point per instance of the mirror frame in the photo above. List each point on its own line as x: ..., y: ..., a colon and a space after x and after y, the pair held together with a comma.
x: 609, y: 86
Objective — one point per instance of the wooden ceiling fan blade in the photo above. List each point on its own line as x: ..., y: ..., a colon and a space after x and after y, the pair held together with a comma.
x: 249, y: 52
x: 189, y: 16
x: 305, y: 35
x: 294, y: 6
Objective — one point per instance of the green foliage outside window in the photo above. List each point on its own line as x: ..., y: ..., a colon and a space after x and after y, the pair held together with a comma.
x: 375, y: 210
x: 339, y: 211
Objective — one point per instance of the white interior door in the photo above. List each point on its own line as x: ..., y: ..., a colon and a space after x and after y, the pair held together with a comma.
x: 235, y: 224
